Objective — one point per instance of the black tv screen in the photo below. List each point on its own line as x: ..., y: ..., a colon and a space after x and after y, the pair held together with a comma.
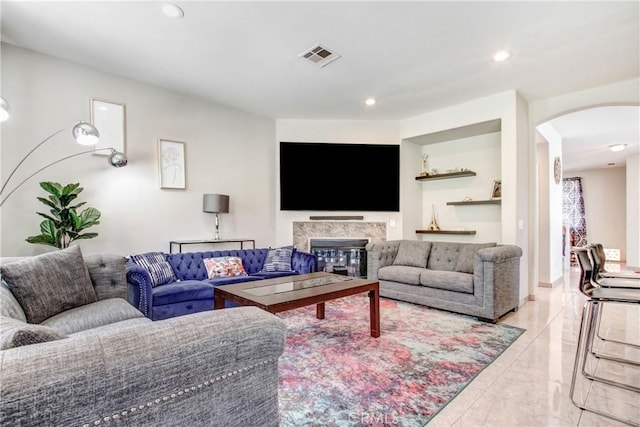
x: 339, y: 177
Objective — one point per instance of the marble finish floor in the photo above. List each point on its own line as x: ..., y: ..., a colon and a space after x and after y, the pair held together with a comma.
x: 528, y: 385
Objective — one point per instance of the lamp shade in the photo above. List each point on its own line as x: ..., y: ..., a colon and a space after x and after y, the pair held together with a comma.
x: 215, y: 203
x: 85, y: 133
x: 5, y: 110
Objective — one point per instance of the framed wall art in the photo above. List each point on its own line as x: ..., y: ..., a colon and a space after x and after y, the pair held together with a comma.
x: 109, y: 118
x: 171, y: 164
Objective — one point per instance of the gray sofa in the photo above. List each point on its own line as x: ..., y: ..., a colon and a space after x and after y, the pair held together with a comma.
x: 104, y: 363
x: 478, y: 279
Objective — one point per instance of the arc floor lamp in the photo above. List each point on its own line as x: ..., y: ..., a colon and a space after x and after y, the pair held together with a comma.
x: 83, y: 133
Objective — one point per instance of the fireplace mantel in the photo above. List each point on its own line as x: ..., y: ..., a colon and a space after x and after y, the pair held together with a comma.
x: 305, y: 230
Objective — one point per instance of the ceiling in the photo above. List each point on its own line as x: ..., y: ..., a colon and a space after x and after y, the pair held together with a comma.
x: 413, y: 57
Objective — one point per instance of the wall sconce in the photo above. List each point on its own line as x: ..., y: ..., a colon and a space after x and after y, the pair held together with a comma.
x: 84, y: 134
x: 217, y: 204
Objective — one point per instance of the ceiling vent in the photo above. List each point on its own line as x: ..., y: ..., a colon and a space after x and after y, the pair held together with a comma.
x: 319, y: 55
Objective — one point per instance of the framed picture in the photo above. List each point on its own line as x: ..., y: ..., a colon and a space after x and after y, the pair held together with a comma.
x: 496, y: 193
x: 109, y: 118
x: 171, y: 164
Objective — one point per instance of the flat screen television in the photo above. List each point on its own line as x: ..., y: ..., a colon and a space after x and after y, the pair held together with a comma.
x: 339, y: 177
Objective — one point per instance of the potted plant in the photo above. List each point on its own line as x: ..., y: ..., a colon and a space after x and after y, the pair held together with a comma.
x: 63, y: 224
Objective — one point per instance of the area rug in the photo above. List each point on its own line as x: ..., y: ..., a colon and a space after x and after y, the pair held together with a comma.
x: 333, y: 373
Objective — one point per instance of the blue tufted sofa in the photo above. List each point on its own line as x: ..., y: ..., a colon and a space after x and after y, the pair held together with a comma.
x: 193, y: 292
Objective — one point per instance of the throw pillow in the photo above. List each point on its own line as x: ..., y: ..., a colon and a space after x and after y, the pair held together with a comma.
x: 226, y: 266
x: 467, y: 253
x: 48, y: 284
x: 158, y: 267
x: 278, y: 259
x: 412, y: 253
x: 14, y: 333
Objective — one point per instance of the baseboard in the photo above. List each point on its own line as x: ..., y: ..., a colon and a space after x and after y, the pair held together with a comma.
x: 555, y: 283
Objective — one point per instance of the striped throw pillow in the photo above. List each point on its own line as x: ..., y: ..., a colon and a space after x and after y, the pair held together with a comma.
x: 158, y: 267
x: 278, y: 259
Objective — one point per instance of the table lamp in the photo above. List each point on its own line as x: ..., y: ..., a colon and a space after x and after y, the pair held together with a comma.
x: 217, y: 204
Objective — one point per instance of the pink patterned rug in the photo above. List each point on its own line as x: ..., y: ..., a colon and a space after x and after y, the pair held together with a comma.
x: 333, y: 373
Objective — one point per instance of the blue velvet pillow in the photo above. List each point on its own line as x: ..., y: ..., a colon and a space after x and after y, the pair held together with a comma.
x: 278, y: 259
x: 158, y: 267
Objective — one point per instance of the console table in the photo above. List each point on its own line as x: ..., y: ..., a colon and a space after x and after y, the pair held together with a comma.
x: 179, y: 243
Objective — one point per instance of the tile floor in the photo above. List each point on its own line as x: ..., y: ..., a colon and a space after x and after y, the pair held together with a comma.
x: 528, y: 385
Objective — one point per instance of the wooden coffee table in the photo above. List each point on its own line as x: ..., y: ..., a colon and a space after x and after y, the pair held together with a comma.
x: 287, y: 293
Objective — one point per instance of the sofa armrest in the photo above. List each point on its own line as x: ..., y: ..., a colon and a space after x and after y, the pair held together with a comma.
x: 304, y: 262
x: 380, y: 255
x: 219, y: 367
x: 107, y: 272
x: 139, y: 288
x: 499, y: 253
x: 496, y: 276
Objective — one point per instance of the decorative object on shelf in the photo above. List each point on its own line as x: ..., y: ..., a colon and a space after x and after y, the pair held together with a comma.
x: 467, y: 199
x: 109, y: 117
x: 433, y: 226
x: 171, y: 163
x: 84, y: 134
x: 64, y: 224
x: 5, y: 109
x: 217, y: 204
x: 496, y: 192
x: 557, y: 170
x: 425, y: 165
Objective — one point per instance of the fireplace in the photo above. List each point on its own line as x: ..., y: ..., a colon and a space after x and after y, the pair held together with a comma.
x: 341, y: 256
x: 341, y: 238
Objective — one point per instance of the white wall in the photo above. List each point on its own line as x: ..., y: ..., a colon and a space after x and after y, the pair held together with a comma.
x: 227, y: 151
x: 550, y: 209
x: 480, y: 154
x: 633, y: 211
x: 605, y: 196
x: 345, y: 131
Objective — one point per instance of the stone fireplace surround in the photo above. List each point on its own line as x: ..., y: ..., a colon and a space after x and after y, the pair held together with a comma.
x: 304, y: 231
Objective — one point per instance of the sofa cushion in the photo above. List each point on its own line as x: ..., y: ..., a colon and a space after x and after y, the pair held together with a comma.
x: 156, y: 264
x: 400, y: 273
x: 218, y: 281
x: 15, y: 333
x: 48, y: 284
x: 412, y: 253
x: 448, y: 280
x: 443, y: 256
x: 278, y: 259
x: 467, y: 253
x: 9, y: 305
x: 186, y: 290
x: 224, y: 266
x: 90, y: 316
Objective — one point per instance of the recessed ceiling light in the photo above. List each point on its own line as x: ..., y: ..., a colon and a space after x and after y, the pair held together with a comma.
x: 370, y: 101
x: 172, y: 11
x: 617, y: 147
x: 502, y: 55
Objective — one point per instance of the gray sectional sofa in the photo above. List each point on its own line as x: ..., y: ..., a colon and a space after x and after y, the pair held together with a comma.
x: 101, y: 362
x: 478, y: 279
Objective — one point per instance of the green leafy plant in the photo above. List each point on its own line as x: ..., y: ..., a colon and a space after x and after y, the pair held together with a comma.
x: 63, y: 224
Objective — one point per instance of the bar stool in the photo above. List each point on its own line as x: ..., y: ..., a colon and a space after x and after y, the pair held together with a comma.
x: 599, y: 258
x: 597, y: 296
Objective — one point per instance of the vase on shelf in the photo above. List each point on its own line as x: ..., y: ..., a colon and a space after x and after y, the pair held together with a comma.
x: 433, y: 226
